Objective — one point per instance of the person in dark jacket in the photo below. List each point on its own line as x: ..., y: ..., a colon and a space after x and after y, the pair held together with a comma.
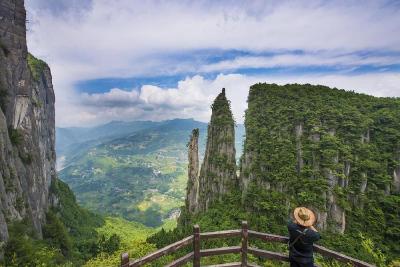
x: 302, y: 235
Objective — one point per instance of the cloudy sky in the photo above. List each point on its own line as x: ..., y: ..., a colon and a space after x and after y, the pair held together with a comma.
x: 156, y: 60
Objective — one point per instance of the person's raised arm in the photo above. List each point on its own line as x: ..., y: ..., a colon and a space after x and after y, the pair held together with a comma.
x: 315, y: 236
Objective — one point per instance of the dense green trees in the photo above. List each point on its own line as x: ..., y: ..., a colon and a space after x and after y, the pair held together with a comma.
x: 25, y: 249
x: 327, y: 149
x: 69, y: 235
x: 55, y: 232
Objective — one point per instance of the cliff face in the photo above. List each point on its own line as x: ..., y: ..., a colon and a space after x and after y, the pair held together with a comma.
x: 27, y: 153
x: 218, y: 171
x: 325, y: 148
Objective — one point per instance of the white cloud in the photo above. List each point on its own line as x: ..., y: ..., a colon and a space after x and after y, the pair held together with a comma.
x: 112, y: 98
x: 126, y: 38
x: 146, y: 103
x: 131, y: 38
x: 301, y: 60
x: 189, y: 92
x: 193, y: 96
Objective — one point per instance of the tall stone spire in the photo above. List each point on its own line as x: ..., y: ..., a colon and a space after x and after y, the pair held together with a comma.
x: 218, y: 171
x: 192, y: 193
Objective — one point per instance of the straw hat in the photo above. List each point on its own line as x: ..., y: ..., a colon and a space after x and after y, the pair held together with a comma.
x: 304, y: 216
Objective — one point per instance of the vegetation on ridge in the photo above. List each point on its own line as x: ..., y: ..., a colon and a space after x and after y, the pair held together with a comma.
x: 355, y: 132
x: 36, y: 66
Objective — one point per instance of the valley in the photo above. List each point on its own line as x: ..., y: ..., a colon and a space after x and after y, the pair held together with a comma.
x: 136, y: 170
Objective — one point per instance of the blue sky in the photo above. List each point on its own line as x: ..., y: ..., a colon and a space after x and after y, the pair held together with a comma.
x: 140, y: 60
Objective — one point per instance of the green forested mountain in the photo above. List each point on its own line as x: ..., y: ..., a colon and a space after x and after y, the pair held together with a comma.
x: 335, y: 151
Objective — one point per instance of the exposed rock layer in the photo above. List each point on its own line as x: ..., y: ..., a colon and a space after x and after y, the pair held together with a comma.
x: 27, y: 154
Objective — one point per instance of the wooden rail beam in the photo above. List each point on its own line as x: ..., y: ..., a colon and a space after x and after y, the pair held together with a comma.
x: 181, y: 261
x: 164, y: 251
x: 219, y: 234
x: 340, y: 257
x: 220, y: 251
x: 268, y: 237
x: 231, y: 264
x: 268, y: 254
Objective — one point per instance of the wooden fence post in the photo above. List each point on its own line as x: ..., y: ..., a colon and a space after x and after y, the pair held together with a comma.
x: 245, y: 242
x: 196, y: 246
x: 124, y: 260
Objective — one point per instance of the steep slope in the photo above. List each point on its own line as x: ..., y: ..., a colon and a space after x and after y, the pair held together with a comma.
x: 27, y: 158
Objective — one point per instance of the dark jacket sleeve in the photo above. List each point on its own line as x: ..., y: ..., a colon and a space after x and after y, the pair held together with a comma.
x: 314, y: 236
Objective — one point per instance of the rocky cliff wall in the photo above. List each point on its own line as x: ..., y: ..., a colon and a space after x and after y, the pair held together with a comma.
x: 324, y: 148
x: 27, y: 130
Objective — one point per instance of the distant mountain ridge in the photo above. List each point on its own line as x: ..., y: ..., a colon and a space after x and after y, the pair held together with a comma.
x: 72, y: 135
x: 71, y: 140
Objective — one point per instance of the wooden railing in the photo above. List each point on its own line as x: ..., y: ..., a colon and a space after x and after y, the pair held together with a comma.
x: 244, y: 249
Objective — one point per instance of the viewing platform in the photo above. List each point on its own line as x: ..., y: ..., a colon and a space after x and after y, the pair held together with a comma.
x: 244, y: 249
